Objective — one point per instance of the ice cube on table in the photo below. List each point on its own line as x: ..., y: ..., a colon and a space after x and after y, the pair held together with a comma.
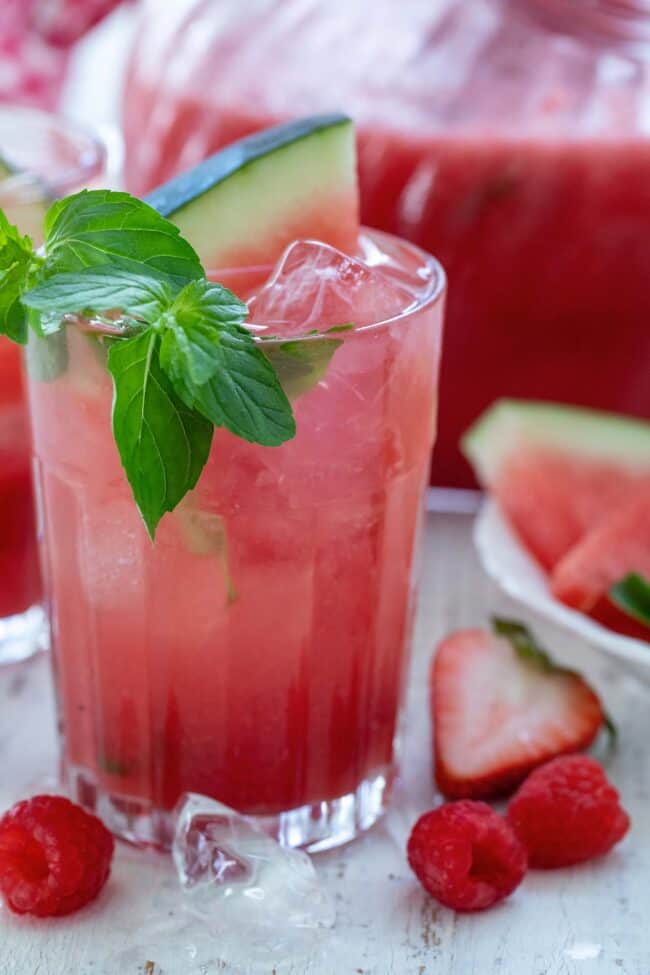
x: 245, y: 905
x: 233, y: 873
x: 315, y: 286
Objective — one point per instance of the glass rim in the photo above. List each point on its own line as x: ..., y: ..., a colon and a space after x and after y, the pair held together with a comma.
x: 431, y: 296
x: 437, y: 284
x: 31, y: 184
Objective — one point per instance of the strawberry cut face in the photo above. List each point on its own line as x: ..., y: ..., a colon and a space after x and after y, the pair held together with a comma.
x: 498, y: 714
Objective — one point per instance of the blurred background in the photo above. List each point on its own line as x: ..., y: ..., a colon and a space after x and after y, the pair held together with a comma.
x: 509, y: 137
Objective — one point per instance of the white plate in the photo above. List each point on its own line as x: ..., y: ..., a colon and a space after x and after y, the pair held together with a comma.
x: 507, y: 562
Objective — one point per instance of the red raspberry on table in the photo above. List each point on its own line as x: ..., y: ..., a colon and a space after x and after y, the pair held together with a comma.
x: 567, y: 812
x: 466, y: 855
x: 54, y: 856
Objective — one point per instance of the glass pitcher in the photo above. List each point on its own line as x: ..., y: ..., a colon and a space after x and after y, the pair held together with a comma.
x: 508, y: 137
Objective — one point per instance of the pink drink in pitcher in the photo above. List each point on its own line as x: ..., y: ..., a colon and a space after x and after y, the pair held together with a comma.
x: 508, y: 137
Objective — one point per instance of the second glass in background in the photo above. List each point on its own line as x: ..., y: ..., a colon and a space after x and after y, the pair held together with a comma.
x: 41, y: 157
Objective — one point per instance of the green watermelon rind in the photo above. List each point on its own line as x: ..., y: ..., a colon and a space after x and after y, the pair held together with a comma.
x: 249, y: 192
x: 510, y: 423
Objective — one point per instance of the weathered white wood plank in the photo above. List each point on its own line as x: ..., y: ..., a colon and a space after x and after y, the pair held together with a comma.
x: 588, y: 921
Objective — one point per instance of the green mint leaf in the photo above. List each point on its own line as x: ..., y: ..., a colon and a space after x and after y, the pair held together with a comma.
x: 527, y: 648
x: 245, y: 396
x: 100, y: 289
x: 191, y: 333
x: 632, y: 595
x: 210, y: 304
x: 188, y: 357
x: 301, y: 365
x: 217, y: 368
x: 13, y: 321
x: 16, y: 258
x: 47, y: 356
x: 97, y: 227
x: 163, y: 445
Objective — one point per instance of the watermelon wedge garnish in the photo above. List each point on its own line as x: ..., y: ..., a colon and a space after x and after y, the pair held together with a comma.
x: 245, y: 204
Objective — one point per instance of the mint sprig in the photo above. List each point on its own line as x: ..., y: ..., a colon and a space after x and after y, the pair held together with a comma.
x: 163, y: 445
x: 218, y: 369
x: 632, y: 595
x: 17, y: 262
x: 102, y: 227
x: 98, y: 289
x: 182, y: 364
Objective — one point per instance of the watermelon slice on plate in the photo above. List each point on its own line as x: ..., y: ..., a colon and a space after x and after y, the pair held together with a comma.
x: 557, y: 471
x: 569, y: 512
x: 617, y: 547
x: 511, y: 566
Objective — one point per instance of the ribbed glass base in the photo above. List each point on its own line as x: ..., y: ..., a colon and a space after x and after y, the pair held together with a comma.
x: 315, y: 827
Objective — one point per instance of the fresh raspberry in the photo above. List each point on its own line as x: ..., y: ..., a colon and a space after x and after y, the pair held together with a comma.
x: 54, y: 857
x: 567, y: 812
x: 466, y: 855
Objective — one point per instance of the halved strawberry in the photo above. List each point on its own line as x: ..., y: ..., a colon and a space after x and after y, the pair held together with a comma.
x: 618, y: 545
x: 501, y: 707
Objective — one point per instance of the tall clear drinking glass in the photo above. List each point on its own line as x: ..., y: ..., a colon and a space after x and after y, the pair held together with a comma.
x: 256, y: 652
x: 41, y: 157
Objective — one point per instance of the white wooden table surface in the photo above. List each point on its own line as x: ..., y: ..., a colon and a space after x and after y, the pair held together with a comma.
x: 588, y: 921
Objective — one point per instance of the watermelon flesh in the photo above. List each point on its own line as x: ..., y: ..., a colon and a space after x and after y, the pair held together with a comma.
x: 574, y: 484
x: 553, y: 498
x: 617, y: 546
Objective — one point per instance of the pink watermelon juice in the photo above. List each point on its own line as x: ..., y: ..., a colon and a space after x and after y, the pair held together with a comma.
x: 19, y: 575
x: 532, y: 233
x: 255, y: 652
